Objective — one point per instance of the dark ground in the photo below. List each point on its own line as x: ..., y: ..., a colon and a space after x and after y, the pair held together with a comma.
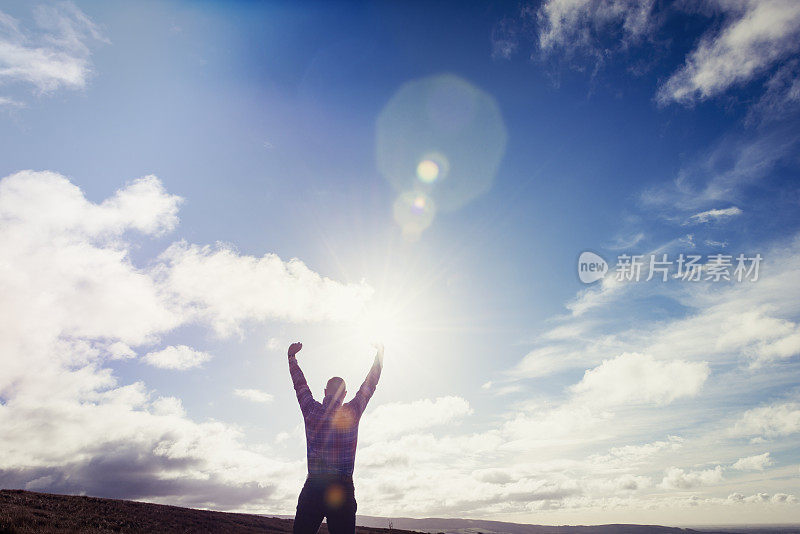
x: 29, y: 512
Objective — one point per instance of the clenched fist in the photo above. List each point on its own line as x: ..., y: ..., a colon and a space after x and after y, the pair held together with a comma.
x: 294, y: 348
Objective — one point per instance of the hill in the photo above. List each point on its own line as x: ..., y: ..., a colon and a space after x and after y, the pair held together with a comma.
x: 474, y: 526
x: 26, y: 512
x: 29, y: 512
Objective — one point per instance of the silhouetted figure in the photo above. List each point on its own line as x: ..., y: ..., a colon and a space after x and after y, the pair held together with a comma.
x: 331, y: 438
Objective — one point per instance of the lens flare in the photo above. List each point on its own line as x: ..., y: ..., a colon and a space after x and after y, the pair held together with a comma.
x: 334, y: 496
x: 442, y: 136
x: 433, y: 168
x: 414, y: 212
x: 344, y: 419
x: 427, y: 171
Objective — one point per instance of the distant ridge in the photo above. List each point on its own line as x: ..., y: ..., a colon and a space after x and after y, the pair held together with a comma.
x: 475, y: 526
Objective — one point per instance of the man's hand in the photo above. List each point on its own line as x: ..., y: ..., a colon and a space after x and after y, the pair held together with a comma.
x: 294, y: 348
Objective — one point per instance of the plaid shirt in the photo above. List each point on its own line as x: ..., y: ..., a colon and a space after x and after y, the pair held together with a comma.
x: 332, y: 430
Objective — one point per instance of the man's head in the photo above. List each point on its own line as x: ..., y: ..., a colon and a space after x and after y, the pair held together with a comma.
x: 335, y: 390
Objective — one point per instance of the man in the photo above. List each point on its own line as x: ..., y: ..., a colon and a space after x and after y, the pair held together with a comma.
x: 331, y: 438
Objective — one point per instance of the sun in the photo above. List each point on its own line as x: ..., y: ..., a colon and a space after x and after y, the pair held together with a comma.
x: 380, y: 323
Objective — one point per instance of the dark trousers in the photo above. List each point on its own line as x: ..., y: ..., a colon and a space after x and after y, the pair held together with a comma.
x: 331, y: 497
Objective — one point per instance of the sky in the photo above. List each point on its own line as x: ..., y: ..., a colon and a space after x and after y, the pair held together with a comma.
x: 188, y: 187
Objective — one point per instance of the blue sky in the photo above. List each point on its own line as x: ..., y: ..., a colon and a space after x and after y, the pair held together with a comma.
x: 189, y: 187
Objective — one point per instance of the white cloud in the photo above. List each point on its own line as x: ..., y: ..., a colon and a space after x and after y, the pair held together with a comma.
x: 634, y: 378
x: 611, y: 287
x: 400, y: 418
x: 56, y: 55
x: 169, y: 406
x: 753, y: 463
x: 274, y: 343
x: 632, y: 456
x: 781, y: 498
x: 626, y: 483
x: 781, y: 95
x: 505, y: 38
x: 71, y: 300
x: 721, y: 173
x: 628, y: 241
x: 743, y: 330
x: 781, y: 348
x: 561, y: 425
x: 66, y: 271
x: 547, y: 360
x: 757, y: 35
x: 178, y: 357
x: 47, y: 205
x: 227, y: 289
x: 676, y: 478
x: 745, y: 323
x: 715, y: 215
x: 10, y: 102
x: 120, y: 351
x: 575, y: 24
x: 254, y: 395
x: 771, y: 421
x: 778, y: 498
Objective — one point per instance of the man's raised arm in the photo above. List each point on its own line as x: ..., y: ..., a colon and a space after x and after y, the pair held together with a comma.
x: 304, y: 396
x: 366, y: 390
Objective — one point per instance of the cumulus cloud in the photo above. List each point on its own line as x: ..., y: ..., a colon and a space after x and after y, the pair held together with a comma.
x: 778, y: 498
x: 758, y: 33
x: 753, y: 463
x: 676, y: 478
x: 771, y: 421
x: 56, y: 54
x: 73, y: 299
x: 49, y: 205
x: 625, y: 484
x: 254, y: 395
x: 66, y: 270
x: 178, y: 357
x: 640, y: 378
x: 227, y: 289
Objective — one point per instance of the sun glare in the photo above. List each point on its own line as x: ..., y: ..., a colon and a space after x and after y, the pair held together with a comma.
x: 380, y: 325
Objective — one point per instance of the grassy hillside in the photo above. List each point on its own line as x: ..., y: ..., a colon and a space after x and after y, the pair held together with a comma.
x: 29, y: 512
